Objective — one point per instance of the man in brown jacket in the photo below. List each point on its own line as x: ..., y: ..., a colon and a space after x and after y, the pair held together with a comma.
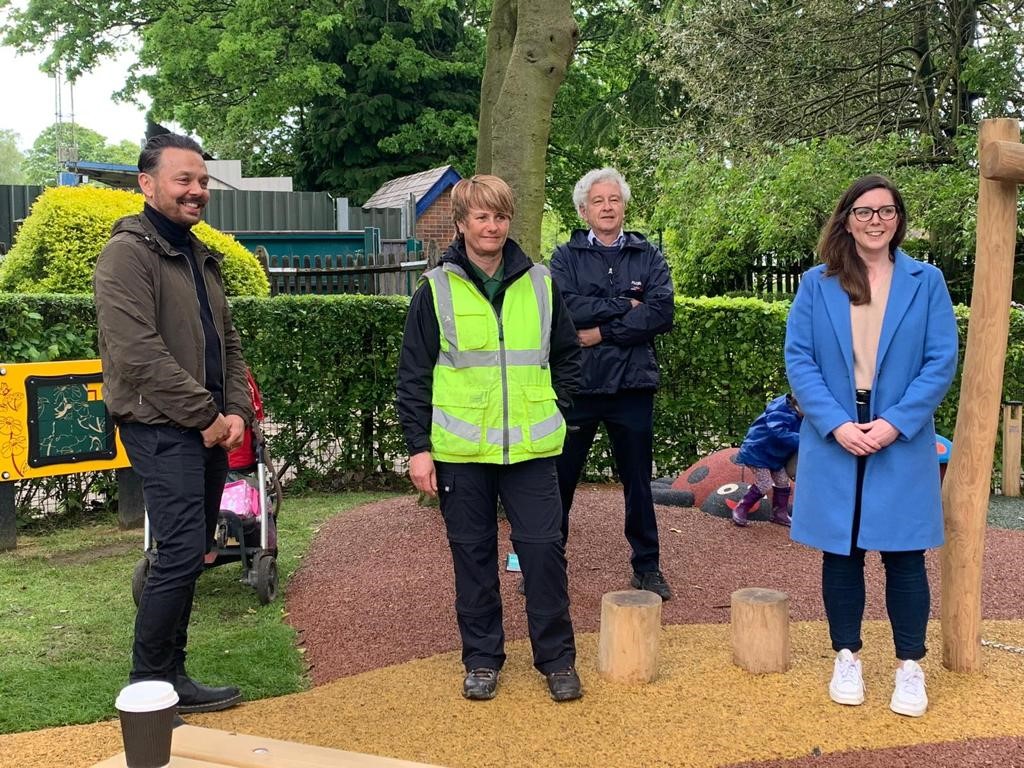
x: 174, y: 380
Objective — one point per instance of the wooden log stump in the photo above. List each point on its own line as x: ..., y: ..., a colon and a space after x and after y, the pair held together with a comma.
x: 627, y: 650
x: 760, y: 629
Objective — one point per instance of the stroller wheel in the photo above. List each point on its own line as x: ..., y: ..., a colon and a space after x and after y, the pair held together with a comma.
x: 266, y: 578
x: 139, y: 576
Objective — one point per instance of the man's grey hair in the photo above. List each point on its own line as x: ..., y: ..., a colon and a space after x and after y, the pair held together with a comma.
x: 596, y: 176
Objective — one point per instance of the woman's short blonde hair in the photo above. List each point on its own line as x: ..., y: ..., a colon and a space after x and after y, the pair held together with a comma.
x: 483, y: 192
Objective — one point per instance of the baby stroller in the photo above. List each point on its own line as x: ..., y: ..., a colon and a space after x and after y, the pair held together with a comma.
x: 247, y: 525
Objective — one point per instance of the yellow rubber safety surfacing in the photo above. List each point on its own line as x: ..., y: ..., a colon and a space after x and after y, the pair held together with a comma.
x: 701, y: 711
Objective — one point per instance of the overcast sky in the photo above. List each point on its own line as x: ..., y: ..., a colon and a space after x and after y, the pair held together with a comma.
x: 28, y: 100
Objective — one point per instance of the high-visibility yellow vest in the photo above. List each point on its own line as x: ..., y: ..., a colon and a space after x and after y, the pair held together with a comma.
x: 492, y: 397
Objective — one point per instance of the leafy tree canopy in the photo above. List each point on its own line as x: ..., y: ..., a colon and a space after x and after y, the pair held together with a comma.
x: 404, y: 99
x: 720, y: 214
x: 760, y: 73
x: 350, y: 84
x: 42, y: 162
x: 607, y: 101
x: 11, y: 159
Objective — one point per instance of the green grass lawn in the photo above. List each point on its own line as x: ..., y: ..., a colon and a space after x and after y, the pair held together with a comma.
x: 66, y: 620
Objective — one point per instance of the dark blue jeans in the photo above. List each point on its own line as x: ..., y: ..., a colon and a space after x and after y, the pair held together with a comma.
x: 907, y: 599
x: 629, y: 419
x: 182, y: 483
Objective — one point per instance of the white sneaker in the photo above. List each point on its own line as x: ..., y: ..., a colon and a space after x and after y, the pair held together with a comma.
x: 909, y: 697
x: 847, y: 686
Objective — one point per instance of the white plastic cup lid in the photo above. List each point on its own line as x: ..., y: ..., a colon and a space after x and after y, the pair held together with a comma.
x: 146, y: 696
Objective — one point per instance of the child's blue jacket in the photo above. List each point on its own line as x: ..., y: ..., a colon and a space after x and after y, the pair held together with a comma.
x: 773, y: 437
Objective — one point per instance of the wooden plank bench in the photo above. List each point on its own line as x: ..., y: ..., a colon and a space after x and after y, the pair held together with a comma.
x: 193, y: 747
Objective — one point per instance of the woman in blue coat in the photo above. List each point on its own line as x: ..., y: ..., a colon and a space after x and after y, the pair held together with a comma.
x: 871, y: 348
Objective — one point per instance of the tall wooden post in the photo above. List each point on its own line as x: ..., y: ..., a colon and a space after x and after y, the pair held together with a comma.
x: 8, y: 519
x: 965, y: 491
x: 1011, y: 447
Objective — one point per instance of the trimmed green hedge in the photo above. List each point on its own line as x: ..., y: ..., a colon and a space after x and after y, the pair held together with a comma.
x: 56, y: 248
x: 326, y: 366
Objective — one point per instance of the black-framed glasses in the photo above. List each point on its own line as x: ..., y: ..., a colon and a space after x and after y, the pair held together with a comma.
x: 885, y: 213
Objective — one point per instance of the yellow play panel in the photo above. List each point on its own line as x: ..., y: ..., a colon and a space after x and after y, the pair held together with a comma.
x: 53, y: 421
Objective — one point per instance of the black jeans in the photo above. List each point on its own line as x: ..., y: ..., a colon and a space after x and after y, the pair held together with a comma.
x: 182, y: 482
x: 469, y: 496
x: 629, y: 419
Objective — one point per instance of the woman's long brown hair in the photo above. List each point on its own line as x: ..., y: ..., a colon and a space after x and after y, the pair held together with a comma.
x: 837, y: 248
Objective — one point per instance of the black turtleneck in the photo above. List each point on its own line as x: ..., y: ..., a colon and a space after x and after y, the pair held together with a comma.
x: 178, y: 237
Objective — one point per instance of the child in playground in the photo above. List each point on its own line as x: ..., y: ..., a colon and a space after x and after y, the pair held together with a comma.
x: 771, y: 442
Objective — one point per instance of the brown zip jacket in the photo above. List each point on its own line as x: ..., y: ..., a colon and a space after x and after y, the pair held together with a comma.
x: 150, y: 333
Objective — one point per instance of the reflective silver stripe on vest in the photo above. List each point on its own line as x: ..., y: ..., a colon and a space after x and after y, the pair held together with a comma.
x: 445, y: 306
x: 544, y: 428
x: 477, y: 359
x: 473, y: 359
x: 497, y: 436
x: 456, y: 426
x: 537, y: 274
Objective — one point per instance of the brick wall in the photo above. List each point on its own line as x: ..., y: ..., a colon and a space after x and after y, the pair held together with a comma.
x: 435, y: 225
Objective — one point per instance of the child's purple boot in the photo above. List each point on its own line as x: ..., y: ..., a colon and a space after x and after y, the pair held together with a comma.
x: 780, y: 506
x: 748, y: 502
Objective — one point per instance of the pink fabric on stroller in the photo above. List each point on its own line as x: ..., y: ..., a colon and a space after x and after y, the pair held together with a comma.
x: 240, y: 498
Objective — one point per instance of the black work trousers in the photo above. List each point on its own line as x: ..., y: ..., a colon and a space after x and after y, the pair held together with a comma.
x: 182, y: 482
x: 529, y: 492
x: 628, y: 417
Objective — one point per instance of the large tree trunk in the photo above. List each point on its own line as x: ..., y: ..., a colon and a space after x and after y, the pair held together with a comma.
x: 529, y: 46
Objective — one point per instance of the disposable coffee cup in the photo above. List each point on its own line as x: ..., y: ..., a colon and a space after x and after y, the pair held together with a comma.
x: 147, y: 721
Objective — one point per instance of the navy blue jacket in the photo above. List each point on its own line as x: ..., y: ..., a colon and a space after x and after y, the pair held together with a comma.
x: 773, y: 437
x: 597, y: 290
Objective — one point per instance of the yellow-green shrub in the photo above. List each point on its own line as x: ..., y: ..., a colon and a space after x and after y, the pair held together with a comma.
x: 57, y: 246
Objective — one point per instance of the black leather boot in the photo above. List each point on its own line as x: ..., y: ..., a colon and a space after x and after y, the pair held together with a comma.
x: 196, y: 697
x: 564, y: 685
x: 480, y: 684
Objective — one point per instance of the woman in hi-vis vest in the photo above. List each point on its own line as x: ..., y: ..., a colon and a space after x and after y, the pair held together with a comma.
x: 489, y: 360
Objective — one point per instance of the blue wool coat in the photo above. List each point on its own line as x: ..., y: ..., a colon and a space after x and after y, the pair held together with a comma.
x: 773, y: 437
x: 901, y: 507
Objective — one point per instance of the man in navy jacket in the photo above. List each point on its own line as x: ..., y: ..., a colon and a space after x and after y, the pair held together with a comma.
x: 619, y: 292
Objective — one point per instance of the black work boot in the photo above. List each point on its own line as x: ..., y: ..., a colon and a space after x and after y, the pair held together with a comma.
x: 564, y: 685
x: 196, y: 697
x: 652, y: 581
x: 480, y: 684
